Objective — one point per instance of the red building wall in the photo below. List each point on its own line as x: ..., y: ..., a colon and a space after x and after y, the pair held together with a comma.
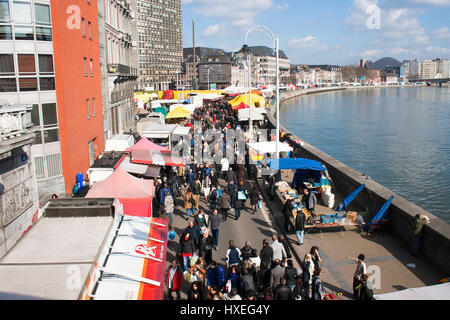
x: 77, y: 127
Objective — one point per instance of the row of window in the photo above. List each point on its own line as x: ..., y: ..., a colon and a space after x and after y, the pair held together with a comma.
x: 26, y: 72
x: 22, y: 20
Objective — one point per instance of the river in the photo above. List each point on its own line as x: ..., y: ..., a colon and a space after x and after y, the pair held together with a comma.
x: 400, y: 137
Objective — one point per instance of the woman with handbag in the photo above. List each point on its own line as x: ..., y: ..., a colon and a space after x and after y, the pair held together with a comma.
x: 240, y: 198
x: 188, y: 203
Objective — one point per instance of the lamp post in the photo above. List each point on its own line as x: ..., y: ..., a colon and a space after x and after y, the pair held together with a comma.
x: 208, y: 78
x: 273, y: 38
x: 246, y: 52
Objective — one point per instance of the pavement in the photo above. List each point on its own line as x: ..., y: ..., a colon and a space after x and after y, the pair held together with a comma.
x: 390, y: 266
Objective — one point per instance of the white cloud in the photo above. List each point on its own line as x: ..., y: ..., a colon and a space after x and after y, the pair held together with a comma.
x: 237, y: 13
x: 281, y: 6
x: 441, y: 3
x: 213, y: 30
x: 442, y: 33
x: 309, y: 43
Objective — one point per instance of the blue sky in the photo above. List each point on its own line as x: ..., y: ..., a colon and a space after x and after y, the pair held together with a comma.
x: 324, y: 31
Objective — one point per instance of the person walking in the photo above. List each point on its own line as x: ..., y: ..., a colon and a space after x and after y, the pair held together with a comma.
x: 417, y: 232
x: 279, y: 253
x: 291, y: 274
x: 246, y: 251
x: 187, y: 249
x: 225, y: 204
x: 206, y: 186
x: 276, y: 274
x: 233, y: 279
x: 282, y: 291
x: 205, y: 246
x: 195, y: 293
x: 318, y: 292
x: 308, y: 271
x: 255, y: 259
x: 300, y: 226
x: 361, y: 269
x: 194, y: 232
x: 285, y: 244
x: 169, y: 206
x: 315, y: 255
x: 215, y: 224
x: 174, y: 280
x: 216, y: 276
x: 309, y: 200
x: 365, y: 291
x: 266, y: 255
x: 231, y: 176
x: 254, y: 198
x: 189, y: 202
x: 233, y: 256
x: 196, y: 191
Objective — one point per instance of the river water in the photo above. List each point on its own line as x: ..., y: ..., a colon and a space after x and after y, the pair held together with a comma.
x: 400, y: 137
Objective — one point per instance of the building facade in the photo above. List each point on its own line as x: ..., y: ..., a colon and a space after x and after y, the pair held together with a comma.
x: 78, y: 85
x: 19, y: 202
x: 118, y: 64
x: 214, y: 70
x: 159, y: 40
x: 27, y: 76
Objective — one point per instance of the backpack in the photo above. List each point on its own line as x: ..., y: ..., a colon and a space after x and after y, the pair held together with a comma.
x: 233, y: 256
x: 213, y: 195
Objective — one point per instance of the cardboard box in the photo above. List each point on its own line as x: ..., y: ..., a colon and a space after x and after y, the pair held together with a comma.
x: 351, y: 216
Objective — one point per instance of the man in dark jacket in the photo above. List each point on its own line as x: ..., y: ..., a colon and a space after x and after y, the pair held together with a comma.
x: 246, y: 251
x: 205, y: 246
x: 300, y: 226
x: 225, y: 204
x: 266, y: 255
x: 216, y: 276
x: 194, y: 231
x: 282, y: 291
x: 231, y: 176
x: 196, y: 191
x: 215, y: 223
x: 187, y: 249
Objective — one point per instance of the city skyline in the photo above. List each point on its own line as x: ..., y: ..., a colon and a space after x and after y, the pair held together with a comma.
x: 326, y: 32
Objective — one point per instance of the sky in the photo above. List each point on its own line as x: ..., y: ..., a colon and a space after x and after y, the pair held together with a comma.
x: 325, y: 31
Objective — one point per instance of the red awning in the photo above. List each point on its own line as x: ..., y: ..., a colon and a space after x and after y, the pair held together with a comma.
x: 156, y: 158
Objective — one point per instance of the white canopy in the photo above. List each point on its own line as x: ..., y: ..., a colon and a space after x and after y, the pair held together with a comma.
x: 437, y: 292
x: 269, y: 147
x: 119, y: 142
x: 254, y: 113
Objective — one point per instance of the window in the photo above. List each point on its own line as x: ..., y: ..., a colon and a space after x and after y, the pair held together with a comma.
x: 23, y: 32
x: 22, y: 12
x: 49, y: 114
x: 8, y: 85
x: 51, y: 135
x: 82, y: 28
x: 26, y: 63
x: 43, y: 34
x: 85, y: 66
x: 47, y: 83
x: 91, y: 152
x: 6, y: 64
x: 28, y: 84
x: 5, y: 33
x: 42, y: 14
x: 45, y: 63
x: 92, y: 68
x: 87, y: 108
x: 93, y: 107
x: 4, y: 11
x: 89, y: 31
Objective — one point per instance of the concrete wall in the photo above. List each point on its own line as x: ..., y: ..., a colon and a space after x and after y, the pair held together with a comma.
x: 436, y: 240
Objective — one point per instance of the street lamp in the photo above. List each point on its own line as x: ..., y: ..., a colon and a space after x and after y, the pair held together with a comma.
x: 208, y: 79
x: 246, y: 52
x: 273, y: 38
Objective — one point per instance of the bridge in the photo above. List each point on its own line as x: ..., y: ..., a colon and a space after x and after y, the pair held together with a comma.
x: 429, y: 82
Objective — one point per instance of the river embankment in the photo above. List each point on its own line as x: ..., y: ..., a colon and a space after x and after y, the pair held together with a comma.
x: 436, y: 239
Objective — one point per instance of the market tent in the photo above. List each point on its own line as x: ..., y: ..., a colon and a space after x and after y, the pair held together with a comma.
x: 436, y: 292
x: 179, y: 112
x: 156, y: 158
x: 145, y: 144
x: 257, y: 150
x: 299, y: 163
x: 144, y: 97
x: 151, y: 171
x: 256, y: 101
x: 135, y: 194
x: 253, y: 113
x: 131, y: 264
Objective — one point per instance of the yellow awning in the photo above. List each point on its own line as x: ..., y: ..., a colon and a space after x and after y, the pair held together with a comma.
x: 256, y: 100
x: 179, y: 112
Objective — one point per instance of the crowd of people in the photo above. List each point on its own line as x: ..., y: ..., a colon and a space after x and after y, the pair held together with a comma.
x: 249, y: 273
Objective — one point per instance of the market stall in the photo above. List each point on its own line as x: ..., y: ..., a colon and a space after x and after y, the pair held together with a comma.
x: 259, y: 150
x: 436, y: 292
x: 135, y: 194
x: 131, y: 265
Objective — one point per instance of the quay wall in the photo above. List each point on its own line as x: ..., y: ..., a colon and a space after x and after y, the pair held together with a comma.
x: 436, y: 235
